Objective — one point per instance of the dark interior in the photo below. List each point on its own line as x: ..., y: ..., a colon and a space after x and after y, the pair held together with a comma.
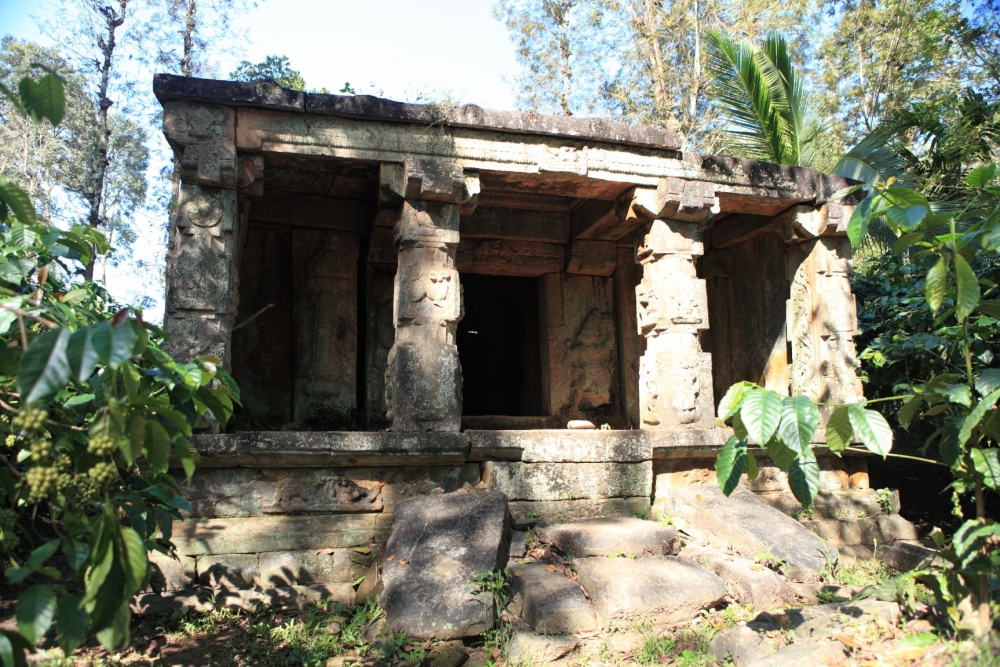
x: 498, y: 345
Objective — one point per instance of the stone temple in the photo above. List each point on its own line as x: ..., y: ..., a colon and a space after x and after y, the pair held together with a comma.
x: 415, y: 299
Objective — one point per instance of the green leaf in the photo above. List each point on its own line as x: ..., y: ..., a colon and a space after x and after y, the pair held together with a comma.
x: 97, y: 573
x: 956, y: 393
x: 157, y: 446
x: 761, y: 413
x: 968, y: 288
x: 872, y: 428
x: 986, y: 464
x: 981, y: 177
x: 35, y: 611
x: 907, y: 217
x: 799, y: 419
x: 135, y: 560
x: 12, y: 649
x: 839, y: 431
x: 857, y: 227
x: 731, y: 402
x: 987, y: 381
x: 752, y: 470
x: 118, y: 631
x: 75, y: 297
x: 803, y: 478
x: 909, y: 410
x: 22, y: 235
x: 48, y: 99
x: 132, y: 447
x: 17, y: 200
x: 936, y: 285
x: 114, y: 344
x: 991, y: 308
x: 76, y: 552
x: 972, y: 419
x: 44, y: 367
x: 41, y: 554
x: 71, y: 622
x: 82, y: 355
x: 907, y: 240
x: 8, y: 317
x: 780, y: 454
x: 730, y: 464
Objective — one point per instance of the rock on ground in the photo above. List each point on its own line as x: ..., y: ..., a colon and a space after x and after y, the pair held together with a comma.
x: 828, y: 653
x: 743, y: 643
x: 749, y: 525
x: 437, y: 544
x: 531, y: 649
x: 604, y: 537
x: 824, y: 620
x: 551, y: 603
x: 665, y: 589
x: 752, y: 583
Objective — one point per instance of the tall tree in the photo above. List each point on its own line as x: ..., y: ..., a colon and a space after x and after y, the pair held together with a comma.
x: 193, y: 32
x: 276, y: 69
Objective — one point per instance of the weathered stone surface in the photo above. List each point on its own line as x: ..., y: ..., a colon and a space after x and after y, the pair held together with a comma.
x: 503, y: 257
x: 447, y: 655
x: 514, y: 224
x: 531, y: 649
x: 202, y: 600
x: 423, y: 387
x: 556, y: 511
x: 845, y: 504
x: 882, y: 529
x: 171, y: 574
x: 605, y: 537
x: 258, y: 93
x: 743, y: 644
x: 569, y: 481
x: 749, y: 525
x: 518, y: 543
x: 340, y: 448
x: 229, y: 571
x: 827, y: 653
x: 273, y: 533
x: 663, y: 588
x: 551, y: 603
x: 289, y: 568
x: 592, y: 258
x: 751, y: 583
x: 551, y: 445
x: 905, y: 556
x: 825, y: 620
x: 241, y: 492
x: 437, y: 544
x: 822, y: 323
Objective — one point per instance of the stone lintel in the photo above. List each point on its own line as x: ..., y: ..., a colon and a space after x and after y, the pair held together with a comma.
x: 569, y: 481
x: 500, y: 257
x: 803, y: 223
x: 251, y: 535
x: 675, y: 199
x: 592, y: 258
x: 736, y: 229
x: 315, y: 211
x: 558, y: 445
x: 516, y: 225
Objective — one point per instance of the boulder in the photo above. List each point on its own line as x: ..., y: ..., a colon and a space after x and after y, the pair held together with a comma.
x: 751, y: 583
x: 527, y: 648
x: 551, y: 603
x: 613, y: 536
x: 437, y: 544
x: 742, y: 643
x: 665, y: 589
x: 828, y: 653
x: 825, y: 620
x: 748, y: 525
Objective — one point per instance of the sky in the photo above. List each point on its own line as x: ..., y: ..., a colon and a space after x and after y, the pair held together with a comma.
x: 410, y: 50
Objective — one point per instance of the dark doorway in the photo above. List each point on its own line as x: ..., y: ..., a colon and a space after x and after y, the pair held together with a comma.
x: 498, y: 345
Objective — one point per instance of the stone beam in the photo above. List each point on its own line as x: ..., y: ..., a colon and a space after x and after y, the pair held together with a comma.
x: 736, y: 229
x: 804, y: 223
x: 302, y: 210
x: 516, y: 225
x: 500, y: 257
x: 676, y: 199
x: 592, y: 258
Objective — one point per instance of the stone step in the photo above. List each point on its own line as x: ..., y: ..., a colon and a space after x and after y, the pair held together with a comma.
x: 901, y: 556
x: 746, y: 524
x: 845, y: 504
x: 527, y: 648
x: 664, y: 589
x: 611, y: 537
x: 882, y: 529
x: 438, y: 543
x: 747, y: 581
x: 551, y: 603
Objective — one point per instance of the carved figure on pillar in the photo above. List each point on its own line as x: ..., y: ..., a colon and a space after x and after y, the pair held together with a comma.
x: 671, y: 310
x: 423, y: 379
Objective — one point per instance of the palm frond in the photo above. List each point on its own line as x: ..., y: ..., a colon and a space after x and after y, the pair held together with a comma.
x: 875, y: 158
x: 748, y: 91
x: 793, y: 93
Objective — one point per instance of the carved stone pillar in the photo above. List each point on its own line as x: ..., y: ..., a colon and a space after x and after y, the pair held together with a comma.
x: 675, y: 375
x: 203, y: 256
x: 423, y: 379
x: 822, y: 322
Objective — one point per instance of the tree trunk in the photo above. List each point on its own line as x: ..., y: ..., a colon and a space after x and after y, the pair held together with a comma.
x: 190, y: 21
x: 113, y: 21
x: 564, y: 53
x: 695, y: 69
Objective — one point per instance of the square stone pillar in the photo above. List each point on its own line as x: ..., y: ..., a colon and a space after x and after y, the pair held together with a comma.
x: 423, y: 379
x: 675, y: 375
x: 202, y: 259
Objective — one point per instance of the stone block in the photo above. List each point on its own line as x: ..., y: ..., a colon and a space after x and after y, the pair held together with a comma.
x: 423, y: 387
x: 742, y: 644
x: 828, y: 653
x: 556, y: 511
x: 426, y: 293
x: 552, y: 604
x: 665, y: 589
x: 748, y: 525
x: 229, y: 571
x: 289, y: 568
x: 202, y: 277
x: 273, y: 533
x: 606, y: 537
x: 171, y: 574
x: 434, y: 180
x: 826, y: 620
x: 675, y: 385
x: 882, y: 529
x: 592, y: 258
x: 569, y: 481
x: 428, y: 222
x: 560, y: 446
x: 527, y: 648
x: 543, y: 227
x: 842, y: 504
x: 751, y: 583
x: 437, y: 544
x: 191, y: 123
x: 504, y: 257
x: 210, y: 209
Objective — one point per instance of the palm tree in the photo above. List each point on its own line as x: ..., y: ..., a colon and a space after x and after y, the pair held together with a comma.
x: 761, y: 96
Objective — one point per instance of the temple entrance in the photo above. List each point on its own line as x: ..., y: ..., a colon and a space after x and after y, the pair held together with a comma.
x: 498, y: 345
